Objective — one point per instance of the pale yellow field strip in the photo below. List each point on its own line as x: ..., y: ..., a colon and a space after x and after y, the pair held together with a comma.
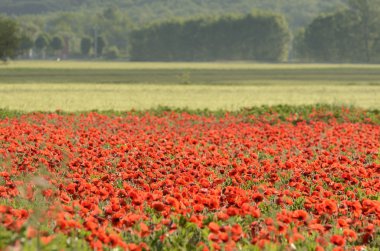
x: 82, y: 97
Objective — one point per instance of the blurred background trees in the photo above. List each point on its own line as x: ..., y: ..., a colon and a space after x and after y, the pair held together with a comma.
x: 9, y: 38
x: 349, y: 35
x: 295, y: 30
x: 258, y: 36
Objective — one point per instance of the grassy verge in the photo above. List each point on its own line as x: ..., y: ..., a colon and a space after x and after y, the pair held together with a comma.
x: 281, y: 112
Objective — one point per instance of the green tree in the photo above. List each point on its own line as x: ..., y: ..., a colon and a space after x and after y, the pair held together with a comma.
x: 26, y: 44
x: 368, y: 16
x: 114, y: 26
x: 9, y: 38
x: 100, y: 45
x: 85, y: 46
x: 300, y: 50
x: 376, y: 51
x: 56, y: 43
x: 271, y: 37
x: 333, y: 38
x: 111, y: 13
x: 349, y: 35
x: 41, y: 43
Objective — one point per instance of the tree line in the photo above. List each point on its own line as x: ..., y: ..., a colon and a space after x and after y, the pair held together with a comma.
x: 258, y: 36
x: 105, y: 35
x: 112, y: 20
x: 58, y: 46
x: 297, y: 12
x: 350, y: 35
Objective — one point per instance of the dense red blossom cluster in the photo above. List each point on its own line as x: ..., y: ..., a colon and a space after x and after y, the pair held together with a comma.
x: 239, y: 178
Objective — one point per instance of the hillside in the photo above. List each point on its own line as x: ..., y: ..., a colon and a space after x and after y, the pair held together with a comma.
x: 298, y: 12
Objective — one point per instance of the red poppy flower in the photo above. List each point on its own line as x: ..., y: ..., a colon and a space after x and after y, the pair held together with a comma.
x: 46, y: 239
x: 214, y: 227
x: 223, y: 236
x: 300, y: 215
x: 257, y: 197
x: 338, y: 240
x: 158, y: 206
x: 350, y: 235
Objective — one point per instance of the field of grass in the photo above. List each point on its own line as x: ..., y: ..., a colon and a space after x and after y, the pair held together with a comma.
x: 74, y: 97
x: 186, y: 73
x: 72, y: 86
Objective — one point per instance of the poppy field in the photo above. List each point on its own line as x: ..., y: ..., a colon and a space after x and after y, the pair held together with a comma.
x: 190, y: 181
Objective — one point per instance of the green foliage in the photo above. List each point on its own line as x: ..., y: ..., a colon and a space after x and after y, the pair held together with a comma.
x: 6, y: 237
x: 18, y: 241
x: 187, y: 237
x: 300, y: 50
x: 367, y: 25
x: 350, y: 35
x: 258, y: 36
x: 9, y: 38
x: 42, y: 41
x: 282, y: 112
x: 111, y: 53
x: 28, y: 31
x: 100, y: 44
x: 114, y: 19
x: 297, y: 12
x: 327, y: 37
x: 85, y: 46
x: 56, y: 43
x: 26, y: 43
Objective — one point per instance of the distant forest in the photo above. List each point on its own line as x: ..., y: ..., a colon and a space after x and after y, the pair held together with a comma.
x: 199, y: 30
x: 297, y: 12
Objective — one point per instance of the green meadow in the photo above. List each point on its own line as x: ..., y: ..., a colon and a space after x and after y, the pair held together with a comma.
x: 79, y: 86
